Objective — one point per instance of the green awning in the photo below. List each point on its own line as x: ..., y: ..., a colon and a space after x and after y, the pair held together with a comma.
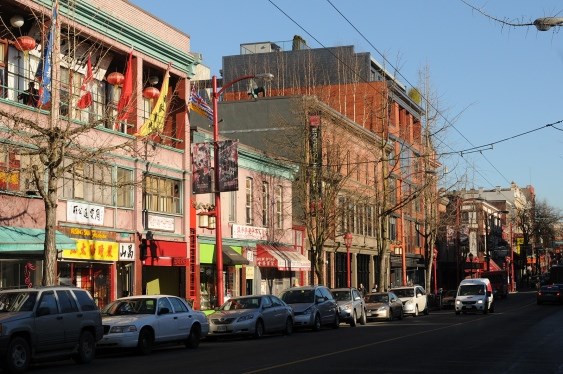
x: 26, y: 241
x: 231, y: 255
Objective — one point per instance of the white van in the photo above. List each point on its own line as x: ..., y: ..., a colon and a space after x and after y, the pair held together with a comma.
x: 474, y: 295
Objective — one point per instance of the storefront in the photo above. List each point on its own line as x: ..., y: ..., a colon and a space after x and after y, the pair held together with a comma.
x: 280, y: 267
x: 22, y: 253
x: 165, y: 268
x: 232, y: 276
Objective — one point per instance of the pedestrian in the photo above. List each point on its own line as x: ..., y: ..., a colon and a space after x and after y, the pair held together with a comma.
x: 374, y: 289
x: 361, y: 289
x: 30, y: 96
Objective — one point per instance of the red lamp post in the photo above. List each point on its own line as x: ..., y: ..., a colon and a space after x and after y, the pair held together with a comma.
x: 348, y: 243
x: 218, y: 228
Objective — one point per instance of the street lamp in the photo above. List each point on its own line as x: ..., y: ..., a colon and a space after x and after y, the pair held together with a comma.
x: 544, y: 24
x: 218, y: 229
x: 471, y: 263
x: 348, y: 243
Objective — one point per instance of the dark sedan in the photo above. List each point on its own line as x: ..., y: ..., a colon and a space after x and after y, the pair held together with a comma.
x: 549, y: 294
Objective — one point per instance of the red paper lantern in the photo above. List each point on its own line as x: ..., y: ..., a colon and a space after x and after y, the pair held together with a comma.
x: 25, y: 43
x: 151, y: 93
x: 115, y: 78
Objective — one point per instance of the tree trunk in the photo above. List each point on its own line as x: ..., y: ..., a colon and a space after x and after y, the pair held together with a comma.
x: 50, y: 260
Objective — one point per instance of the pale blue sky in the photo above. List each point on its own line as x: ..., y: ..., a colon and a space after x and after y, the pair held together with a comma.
x: 494, y: 82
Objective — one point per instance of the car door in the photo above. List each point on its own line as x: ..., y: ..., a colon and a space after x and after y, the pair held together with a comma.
x: 281, y: 313
x: 184, y: 318
x: 166, y: 328
x: 420, y: 298
x: 357, y: 302
x: 269, y: 314
x: 72, y: 317
x: 328, y: 306
x: 49, y: 326
x: 395, y: 305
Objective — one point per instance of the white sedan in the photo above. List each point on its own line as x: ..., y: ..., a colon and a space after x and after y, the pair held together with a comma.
x: 143, y: 321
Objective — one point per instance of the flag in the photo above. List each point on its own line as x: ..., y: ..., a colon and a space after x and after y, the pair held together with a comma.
x: 86, y: 88
x: 124, y: 107
x: 199, y: 105
x: 43, y: 72
x: 155, y: 122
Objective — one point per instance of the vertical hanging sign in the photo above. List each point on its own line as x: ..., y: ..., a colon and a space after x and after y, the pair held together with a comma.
x: 228, y: 165
x: 201, y: 168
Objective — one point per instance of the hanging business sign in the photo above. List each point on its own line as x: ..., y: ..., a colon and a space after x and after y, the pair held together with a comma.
x: 88, y: 214
x: 228, y: 165
x: 201, y: 168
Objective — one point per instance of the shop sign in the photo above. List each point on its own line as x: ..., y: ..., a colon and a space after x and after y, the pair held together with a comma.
x: 249, y: 232
x: 93, y: 250
x: 266, y: 262
x: 180, y: 261
x: 126, y: 251
x: 81, y: 233
x: 160, y: 223
x: 249, y: 272
x: 84, y: 213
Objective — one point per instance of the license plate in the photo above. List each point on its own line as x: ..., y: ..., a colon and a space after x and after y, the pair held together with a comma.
x: 221, y: 328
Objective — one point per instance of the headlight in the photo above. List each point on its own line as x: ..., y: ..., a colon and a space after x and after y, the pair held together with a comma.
x: 408, y: 302
x: 122, y: 329
x: 309, y: 310
x: 458, y: 302
x: 479, y: 301
x: 245, y: 317
x: 381, y: 308
x: 346, y: 306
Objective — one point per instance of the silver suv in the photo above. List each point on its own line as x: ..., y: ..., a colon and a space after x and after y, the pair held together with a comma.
x: 47, y: 323
x: 313, y: 306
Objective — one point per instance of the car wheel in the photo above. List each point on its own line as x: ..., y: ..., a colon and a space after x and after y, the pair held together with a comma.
x: 288, y: 327
x: 492, y: 307
x: 336, y: 320
x: 426, y: 310
x: 390, y: 316
x: 363, y: 318
x: 86, y: 348
x: 144, y: 345
x: 354, y: 319
x: 259, y: 329
x: 317, y: 323
x: 195, y: 336
x: 401, y: 315
x: 18, y: 356
x: 415, y: 311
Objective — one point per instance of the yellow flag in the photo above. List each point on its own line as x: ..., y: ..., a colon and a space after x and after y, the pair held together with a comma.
x: 155, y: 123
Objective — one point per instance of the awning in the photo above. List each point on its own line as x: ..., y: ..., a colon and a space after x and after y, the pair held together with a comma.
x: 493, y: 266
x: 26, y: 241
x: 281, y: 257
x: 232, y: 257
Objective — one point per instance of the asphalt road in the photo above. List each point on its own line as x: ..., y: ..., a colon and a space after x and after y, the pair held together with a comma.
x: 520, y: 337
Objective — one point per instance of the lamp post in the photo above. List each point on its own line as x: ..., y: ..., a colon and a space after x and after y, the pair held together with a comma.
x: 218, y: 229
x: 348, y: 243
x: 471, y: 263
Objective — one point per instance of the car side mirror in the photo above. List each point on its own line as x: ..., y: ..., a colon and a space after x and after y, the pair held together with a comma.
x: 43, y: 311
x: 163, y: 311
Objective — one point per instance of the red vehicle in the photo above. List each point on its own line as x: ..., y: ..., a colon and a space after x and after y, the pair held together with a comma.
x: 499, y: 282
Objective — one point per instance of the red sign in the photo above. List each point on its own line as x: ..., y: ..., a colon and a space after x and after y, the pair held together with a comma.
x: 180, y: 261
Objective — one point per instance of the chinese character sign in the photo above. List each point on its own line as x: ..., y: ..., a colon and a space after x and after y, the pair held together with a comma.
x: 126, y: 252
x: 93, y: 250
x: 84, y: 213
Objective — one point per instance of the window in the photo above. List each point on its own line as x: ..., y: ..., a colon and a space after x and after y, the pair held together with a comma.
x: 248, y: 202
x: 279, y: 205
x: 88, y: 182
x: 265, y: 203
x: 124, y: 188
x: 392, y: 228
x: 162, y: 195
x: 233, y: 206
x: 16, y: 170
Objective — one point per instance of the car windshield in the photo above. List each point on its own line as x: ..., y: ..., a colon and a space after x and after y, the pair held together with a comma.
x: 130, y: 306
x: 244, y: 303
x: 17, y: 301
x: 471, y: 289
x: 377, y: 298
x: 342, y: 295
x: 298, y: 296
x: 404, y: 292
x: 450, y: 293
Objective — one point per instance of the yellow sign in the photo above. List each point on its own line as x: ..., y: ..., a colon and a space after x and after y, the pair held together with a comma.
x: 93, y: 250
x: 519, y: 242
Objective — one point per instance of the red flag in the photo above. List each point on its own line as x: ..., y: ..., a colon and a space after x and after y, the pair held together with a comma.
x: 124, y: 107
x: 86, y: 88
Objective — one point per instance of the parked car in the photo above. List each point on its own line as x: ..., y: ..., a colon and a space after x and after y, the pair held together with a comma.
x: 143, y: 321
x: 313, y: 306
x: 549, y: 294
x: 47, y: 323
x: 448, y: 299
x: 351, y: 304
x: 414, y: 299
x: 254, y: 315
x: 383, y: 305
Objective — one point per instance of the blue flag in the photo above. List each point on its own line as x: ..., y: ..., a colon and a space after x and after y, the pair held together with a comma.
x: 44, y: 69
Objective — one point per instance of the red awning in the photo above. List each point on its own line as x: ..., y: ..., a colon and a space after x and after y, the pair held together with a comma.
x: 283, y: 258
x: 493, y: 266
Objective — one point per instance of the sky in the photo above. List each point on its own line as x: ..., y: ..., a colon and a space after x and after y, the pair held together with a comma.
x: 499, y: 87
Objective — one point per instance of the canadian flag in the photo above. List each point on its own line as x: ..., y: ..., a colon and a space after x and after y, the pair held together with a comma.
x: 86, y: 89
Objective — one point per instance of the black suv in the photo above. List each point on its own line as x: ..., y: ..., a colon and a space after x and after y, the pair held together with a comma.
x: 47, y: 323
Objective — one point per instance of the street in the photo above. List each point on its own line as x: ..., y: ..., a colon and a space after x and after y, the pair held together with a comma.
x: 520, y: 337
